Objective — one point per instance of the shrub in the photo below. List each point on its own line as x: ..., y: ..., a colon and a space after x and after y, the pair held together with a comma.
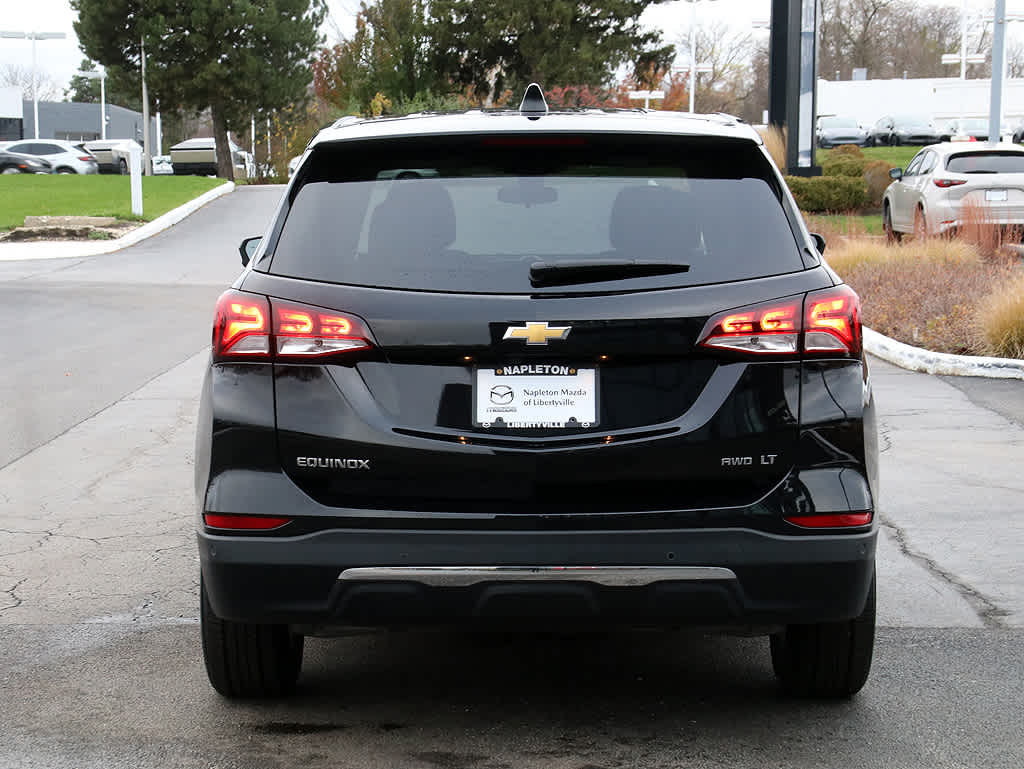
x: 851, y: 150
x: 927, y: 292
x: 980, y: 228
x: 827, y: 193
x: 1001, y: 319
x: 876, y: 177
x: 843, y: 165
x: 775, y: 142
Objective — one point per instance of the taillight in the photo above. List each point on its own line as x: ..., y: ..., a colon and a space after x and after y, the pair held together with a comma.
x: 241, y: 327
x: 832, y: 321
x: 251, y: 326
x: 830, y: 521
x: 304, y: 332
x: 948, y: 182
x: 826, y: 321
x: 761, y: 329
x: 244, y: 522
x: 86, y: 158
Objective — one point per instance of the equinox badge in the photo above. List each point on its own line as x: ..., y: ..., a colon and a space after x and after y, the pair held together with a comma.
x: 537, y: 333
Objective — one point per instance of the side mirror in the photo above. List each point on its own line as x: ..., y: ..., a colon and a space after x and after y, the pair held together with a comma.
x: 896, y: 173
x: 248, y: 248
x: 819, y: 242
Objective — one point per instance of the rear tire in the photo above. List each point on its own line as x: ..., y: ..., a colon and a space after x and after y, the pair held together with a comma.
x: 891, y: 235
x: 829, y: 659
x: 248, y: 660
x: 920, y: 224
x: 122, y: 167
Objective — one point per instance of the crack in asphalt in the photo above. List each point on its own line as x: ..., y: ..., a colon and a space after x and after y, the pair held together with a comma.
x: 13, y: 593
x: 990, y: 614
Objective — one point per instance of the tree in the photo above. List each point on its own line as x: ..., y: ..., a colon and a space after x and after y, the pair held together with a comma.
x: 21, y: 77
x: 236, y: 58
x: 493, y: 47
x: 123, y: 88
x: 386, y: 54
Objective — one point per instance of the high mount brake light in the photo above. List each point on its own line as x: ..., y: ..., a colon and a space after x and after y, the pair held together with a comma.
x: 826, y: 321
x: 251, y: 326
x: 948, y: 182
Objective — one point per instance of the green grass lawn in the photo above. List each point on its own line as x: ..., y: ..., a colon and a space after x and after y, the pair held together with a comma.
x: 894, y: 156
x: 24, y: 195
x: 845, y: 224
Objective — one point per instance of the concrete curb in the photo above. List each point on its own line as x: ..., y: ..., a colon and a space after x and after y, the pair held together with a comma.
x: 66, y: 249
x: 916, y: 359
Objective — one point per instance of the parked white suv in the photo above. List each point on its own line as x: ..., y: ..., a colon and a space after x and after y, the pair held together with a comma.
x: 65, y: 157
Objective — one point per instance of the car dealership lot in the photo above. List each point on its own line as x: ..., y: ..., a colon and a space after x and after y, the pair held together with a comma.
x: 98, y: 574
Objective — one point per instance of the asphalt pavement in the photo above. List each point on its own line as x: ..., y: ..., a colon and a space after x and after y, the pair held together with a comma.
x: 101, y: 665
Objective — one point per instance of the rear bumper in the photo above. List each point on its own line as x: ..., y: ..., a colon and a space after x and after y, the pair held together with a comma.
x: 743, y: 578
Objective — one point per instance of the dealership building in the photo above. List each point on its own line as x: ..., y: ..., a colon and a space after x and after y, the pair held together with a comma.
x: 73, y: 121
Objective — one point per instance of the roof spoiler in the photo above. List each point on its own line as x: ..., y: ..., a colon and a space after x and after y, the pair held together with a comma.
x: 533, y: 105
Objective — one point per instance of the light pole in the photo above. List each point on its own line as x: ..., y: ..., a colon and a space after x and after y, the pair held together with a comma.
x: 33, y: 36
x: 100, y: 75
x: 693, y: 51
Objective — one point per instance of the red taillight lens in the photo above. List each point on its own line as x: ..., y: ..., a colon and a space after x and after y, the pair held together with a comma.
x: 86, y: 158
x: 761, y: 329
x: 304, y: 332
x: 244, y: 522
x: 832, y: 321
x: 241, y: 327
x: 948, y: 182
x: 830, y: 521
x: 251, y: 326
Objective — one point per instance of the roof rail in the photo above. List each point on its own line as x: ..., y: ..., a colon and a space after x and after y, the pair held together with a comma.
x: 344, y: 121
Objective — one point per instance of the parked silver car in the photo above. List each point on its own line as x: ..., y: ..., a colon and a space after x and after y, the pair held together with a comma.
x: 944, y: 181
x: 65, y: 157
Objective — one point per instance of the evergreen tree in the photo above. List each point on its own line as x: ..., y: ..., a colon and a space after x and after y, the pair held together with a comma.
x: 491, y: 47
x: 236, y: 57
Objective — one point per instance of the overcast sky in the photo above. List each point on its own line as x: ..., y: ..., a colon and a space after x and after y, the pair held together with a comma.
x: 59, y: 59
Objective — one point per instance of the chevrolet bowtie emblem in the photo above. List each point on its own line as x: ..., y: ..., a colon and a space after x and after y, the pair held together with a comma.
x: 537, y: 333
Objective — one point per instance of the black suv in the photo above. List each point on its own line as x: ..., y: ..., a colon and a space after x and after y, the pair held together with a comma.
x: 537, y: 369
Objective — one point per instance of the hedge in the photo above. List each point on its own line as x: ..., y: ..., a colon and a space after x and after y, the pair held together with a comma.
x: 843, y: 165
x: 818, y: 194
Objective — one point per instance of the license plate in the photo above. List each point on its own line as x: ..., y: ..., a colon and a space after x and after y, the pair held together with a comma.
x: 995, y: 195
x: 525, y: 396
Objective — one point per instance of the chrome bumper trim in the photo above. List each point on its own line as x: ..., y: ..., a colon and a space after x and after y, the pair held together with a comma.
x: 463, y: 576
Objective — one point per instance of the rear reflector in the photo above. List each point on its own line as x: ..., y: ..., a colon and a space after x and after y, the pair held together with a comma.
x: 830, y: 521
x: 243, y: 522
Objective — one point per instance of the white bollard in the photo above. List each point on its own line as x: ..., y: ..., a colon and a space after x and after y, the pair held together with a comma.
x: 135, y: 172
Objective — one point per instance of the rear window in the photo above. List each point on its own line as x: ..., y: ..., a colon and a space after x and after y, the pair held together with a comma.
x: 986, y: 163
x: 474, y: 213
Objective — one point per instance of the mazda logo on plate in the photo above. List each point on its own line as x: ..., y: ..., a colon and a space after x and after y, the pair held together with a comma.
x: 501, y: 395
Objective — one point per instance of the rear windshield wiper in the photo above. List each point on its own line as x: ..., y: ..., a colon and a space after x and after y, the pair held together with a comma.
x: 593, y: 270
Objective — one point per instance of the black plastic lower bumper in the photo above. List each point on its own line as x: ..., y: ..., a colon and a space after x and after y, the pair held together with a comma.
x: 778, y: 580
